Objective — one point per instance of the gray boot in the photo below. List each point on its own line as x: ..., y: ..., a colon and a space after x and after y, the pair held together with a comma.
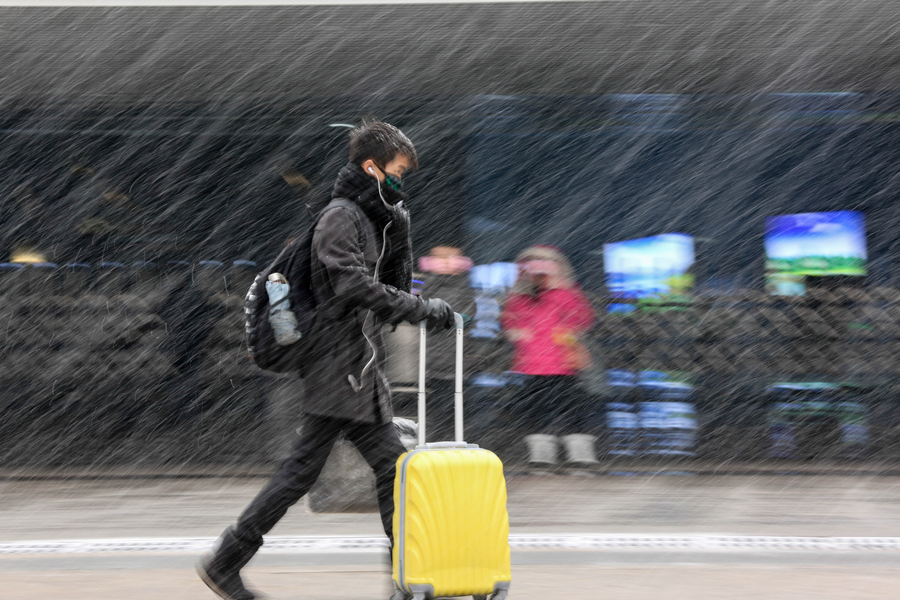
x: 542, y: 449
x: 221, y: 571
x: 580, y: 449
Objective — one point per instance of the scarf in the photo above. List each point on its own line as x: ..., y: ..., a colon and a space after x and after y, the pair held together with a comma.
x: 354, y: 184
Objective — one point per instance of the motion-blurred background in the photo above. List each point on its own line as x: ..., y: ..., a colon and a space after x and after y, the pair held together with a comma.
x: 152, y: 159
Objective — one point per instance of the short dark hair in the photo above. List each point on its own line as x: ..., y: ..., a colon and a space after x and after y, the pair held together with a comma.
x: 382, y: 143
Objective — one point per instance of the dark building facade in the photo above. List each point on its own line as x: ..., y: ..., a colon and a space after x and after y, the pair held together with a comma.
x: 180, y: 135
x: 203, y: 132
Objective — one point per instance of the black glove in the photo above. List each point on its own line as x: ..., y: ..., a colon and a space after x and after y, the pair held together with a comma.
x: 438, y: 315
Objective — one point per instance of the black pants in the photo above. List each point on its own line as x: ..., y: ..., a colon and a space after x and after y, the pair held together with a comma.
x: 548, y: 404
x: 378, y: 443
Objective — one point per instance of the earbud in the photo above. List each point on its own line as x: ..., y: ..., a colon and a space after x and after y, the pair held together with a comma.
x: 371, y: 170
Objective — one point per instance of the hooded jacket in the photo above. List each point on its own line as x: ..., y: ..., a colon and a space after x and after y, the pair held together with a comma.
x: 361, y: 279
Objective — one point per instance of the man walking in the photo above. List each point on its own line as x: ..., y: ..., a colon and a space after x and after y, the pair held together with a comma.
x: 361, y: 279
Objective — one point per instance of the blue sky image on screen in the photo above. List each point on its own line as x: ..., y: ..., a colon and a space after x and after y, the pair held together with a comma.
x: 825, y: 243
x: 647, y: 266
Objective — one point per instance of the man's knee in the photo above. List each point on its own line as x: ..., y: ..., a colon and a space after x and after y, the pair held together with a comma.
x: 385, y: 465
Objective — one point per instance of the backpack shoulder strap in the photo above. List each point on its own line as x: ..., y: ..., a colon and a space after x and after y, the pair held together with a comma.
x: 341, y: 202
x: 354, y: 208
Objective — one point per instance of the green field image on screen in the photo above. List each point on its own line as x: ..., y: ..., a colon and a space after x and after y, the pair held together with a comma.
x: 818, y: 265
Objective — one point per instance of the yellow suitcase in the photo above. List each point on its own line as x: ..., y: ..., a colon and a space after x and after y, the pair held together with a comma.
x: 451, y: 527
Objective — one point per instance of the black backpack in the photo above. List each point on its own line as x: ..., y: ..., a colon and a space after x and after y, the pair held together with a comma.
x: 295, y: 263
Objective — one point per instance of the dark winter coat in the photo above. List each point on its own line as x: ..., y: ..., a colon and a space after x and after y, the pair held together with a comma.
x: 353, y: 306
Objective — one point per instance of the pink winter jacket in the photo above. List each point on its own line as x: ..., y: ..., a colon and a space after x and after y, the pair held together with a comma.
x: 543, y: 327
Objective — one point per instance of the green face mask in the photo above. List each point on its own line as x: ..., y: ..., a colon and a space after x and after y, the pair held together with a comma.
x: 392, y: 180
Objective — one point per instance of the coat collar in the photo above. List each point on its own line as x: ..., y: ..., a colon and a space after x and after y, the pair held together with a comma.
x: 354, y: 184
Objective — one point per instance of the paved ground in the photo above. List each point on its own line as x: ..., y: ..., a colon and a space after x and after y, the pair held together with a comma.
x: 647, y: 582
x: 669, y: 503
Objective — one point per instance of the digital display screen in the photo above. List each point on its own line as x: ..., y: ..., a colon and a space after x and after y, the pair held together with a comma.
x: 656, y: 267
x: 491, y: 283
x: 813, y: 244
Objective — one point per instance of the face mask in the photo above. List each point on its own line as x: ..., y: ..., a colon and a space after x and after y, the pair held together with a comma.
x: 395, y: 182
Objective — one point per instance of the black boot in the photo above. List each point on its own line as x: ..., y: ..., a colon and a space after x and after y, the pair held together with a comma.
x: 221, y: 571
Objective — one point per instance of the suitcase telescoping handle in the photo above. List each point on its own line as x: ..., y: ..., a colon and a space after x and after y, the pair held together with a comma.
x: 458, y: 393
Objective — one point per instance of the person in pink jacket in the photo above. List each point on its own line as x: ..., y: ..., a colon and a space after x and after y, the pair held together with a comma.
x: 545, y: 316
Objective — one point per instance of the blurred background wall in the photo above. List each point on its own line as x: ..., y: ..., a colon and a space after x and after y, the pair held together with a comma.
x: 174, y: 136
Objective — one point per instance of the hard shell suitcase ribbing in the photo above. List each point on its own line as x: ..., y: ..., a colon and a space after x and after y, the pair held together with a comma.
x: 451, y: 528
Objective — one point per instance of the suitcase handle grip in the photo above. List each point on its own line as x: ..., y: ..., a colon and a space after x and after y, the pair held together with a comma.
x: 432, y: 445
x: 458, y: 393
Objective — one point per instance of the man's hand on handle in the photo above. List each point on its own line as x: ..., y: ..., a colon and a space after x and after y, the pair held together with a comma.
x: 438, y: 315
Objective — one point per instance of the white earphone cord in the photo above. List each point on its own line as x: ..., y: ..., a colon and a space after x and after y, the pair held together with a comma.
x: 355, y: 383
